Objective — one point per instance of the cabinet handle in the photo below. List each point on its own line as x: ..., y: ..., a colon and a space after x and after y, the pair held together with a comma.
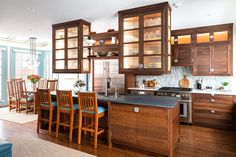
x: 176, y: 60
x: 136, y: 109
x: 211, y: 69
x: 212, y: 100
x: 212, y: 111
x: 212, y: 94
x: 141, y: 66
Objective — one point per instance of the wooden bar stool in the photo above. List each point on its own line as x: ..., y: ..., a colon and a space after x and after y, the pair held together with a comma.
x: 26, y: 100
x: 52, y: 85
x: 13, y: 98
x: 89, y: 109
x: 45, y: 103
x: 67, y: 107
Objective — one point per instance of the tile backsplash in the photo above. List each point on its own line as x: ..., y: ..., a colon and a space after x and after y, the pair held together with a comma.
x: 177, y: 73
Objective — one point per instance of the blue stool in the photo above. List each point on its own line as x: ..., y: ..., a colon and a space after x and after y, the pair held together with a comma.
x: 5, y: 149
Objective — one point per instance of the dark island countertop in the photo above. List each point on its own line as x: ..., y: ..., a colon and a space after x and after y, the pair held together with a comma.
x: 146, y: 100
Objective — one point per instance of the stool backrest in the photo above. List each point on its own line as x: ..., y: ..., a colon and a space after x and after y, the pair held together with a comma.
x: 65, y: 99
x: 42, y: 83
x: 11, y: 89
x: 52, y: 85
x: 21, y: 89
x: 88, y: 101
x: 44, y: 97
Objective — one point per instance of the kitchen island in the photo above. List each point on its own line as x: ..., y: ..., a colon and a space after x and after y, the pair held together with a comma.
x: 149, y: 123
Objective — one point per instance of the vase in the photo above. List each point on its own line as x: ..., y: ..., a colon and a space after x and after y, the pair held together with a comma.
x: 34, y: 86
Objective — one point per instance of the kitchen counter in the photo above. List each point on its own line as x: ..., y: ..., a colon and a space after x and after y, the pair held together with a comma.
x: 144, y: 89
x: 210, y: 91
x: 154, y: 101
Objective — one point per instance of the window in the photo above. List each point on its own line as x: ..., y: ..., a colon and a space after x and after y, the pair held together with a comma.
x: 3, y: 75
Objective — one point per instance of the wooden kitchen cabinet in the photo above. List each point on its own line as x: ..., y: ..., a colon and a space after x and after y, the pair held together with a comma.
x: 69, y: 53
x: 216, y: 45
x: 145, y: 40
x: 181, y: 49
x: 214, y: 111
x: 152, y: 129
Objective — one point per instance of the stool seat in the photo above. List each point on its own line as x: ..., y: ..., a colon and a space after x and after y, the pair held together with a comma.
x: 5, y: 148
x: 100, y: 110
x: 54, y: 104
x: 76, y: 107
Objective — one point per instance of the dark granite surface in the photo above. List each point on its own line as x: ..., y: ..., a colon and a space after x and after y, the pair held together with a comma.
x: 146, y: 100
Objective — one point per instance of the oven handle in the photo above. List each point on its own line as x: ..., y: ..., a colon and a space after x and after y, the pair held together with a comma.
x: 187, y: 101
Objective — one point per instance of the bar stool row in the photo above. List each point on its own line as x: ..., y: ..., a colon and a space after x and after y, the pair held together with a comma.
x: 86, y: 108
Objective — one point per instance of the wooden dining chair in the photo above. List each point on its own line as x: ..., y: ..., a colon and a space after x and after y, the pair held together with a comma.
x: 26, y: 100
x: 42, y: 83
x: 89, y: 109
x: 45, y: 103
x: 52, y: 85
x: 13, y: 98
x: 66, y: 107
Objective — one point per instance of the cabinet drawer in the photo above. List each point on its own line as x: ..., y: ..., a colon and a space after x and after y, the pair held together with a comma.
x: 216, y: 120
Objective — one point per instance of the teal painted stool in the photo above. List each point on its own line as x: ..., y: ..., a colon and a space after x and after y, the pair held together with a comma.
x: 5, y: 149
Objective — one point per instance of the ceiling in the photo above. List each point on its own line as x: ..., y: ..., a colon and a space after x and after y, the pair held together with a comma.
x: 21, y: 19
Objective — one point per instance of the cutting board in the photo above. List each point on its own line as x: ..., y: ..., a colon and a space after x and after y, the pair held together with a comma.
x: 184, y: 83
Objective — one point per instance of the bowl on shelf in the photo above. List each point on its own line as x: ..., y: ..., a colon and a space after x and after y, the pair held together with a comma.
x: 102, y: 54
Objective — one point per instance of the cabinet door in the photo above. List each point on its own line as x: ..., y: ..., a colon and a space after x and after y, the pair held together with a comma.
x: 123, y: 124
x: 152, y: 129
x: 221, y: 58
x: 202, y: 57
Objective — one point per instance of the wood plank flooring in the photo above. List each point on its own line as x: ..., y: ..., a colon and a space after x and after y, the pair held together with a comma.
x: 195, y: 142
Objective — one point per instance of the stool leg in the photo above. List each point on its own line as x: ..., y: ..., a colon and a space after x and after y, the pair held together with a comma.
x: 96, y: 131
x: 58, y: 123
x: 50, y: 122
x: 38, y: 123
x: 85, y: 125
x: 71, y: 125
x: 80, y: 127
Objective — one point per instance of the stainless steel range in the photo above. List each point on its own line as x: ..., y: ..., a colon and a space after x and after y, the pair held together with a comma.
x: 185, y: 102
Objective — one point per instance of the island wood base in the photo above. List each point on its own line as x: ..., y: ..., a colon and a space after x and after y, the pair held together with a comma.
x: 153, y: 129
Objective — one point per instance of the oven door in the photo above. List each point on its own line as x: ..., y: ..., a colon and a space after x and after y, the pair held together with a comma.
x: 185, y: 111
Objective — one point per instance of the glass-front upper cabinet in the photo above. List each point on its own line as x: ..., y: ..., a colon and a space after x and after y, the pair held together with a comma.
x: 142, y: 48
x: 67, y: 46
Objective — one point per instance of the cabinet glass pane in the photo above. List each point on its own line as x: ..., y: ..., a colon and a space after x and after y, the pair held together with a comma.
x: 85, y: 65
x: 152, y: 62
x: 152, y: 33
x: 169, y: 18
x: 152, y: 47
x: 72, y: 64
x: 172, y: 40
x: 72, y: 43
x: 131, y: 22
x: 131, y: 49
x: 184, y: 39
x: 85, y: 30
x: 152, y: 20
x: 131, y: 62
x: 60, y: 54
x: 85, y: 53
x: 221, y: 36
x: 169, y: 63
x: 60, y: 64
x: 169, y: 48
x: 131, y: 36
x: 60, y: 44
x: 203, y: 38
x: 84, y: 41
x: 72, y: 32
x: 72, y: 53
x: 60, y: 33
x: 169, y: 33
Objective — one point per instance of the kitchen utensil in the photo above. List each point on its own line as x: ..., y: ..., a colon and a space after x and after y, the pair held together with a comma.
x: 102, y: 54
x: 199, y: 84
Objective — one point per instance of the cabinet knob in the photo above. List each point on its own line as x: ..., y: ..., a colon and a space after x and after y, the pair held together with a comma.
x: 212, y: 111
x: 136, y: 109
x: 211, y: 69
x: 212, y: 100
x: 141, y: 66
x: 176, y: 60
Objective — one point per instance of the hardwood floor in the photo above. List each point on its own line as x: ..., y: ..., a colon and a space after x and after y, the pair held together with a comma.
x: 195, y: 142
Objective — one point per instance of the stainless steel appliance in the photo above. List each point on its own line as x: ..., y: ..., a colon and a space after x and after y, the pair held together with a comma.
x: 185, y: 102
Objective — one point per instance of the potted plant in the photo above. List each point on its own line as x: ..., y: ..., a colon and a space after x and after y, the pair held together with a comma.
x: 79, y: 84
x: 34, y: 80
x: 224, y: 85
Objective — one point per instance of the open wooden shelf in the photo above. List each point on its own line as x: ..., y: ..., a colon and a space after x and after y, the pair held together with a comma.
x: 104, y: 35
x: 108, y: 47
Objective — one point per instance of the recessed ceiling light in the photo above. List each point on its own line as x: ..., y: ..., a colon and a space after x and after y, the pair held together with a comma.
x: 177, y: 4
x: 209, y: 15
